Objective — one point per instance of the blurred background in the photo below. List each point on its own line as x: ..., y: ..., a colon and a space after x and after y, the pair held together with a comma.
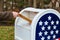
x: 18, y: 5
x: 7, y: 28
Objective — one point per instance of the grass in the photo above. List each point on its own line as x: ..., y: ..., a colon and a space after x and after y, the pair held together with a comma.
x: 6, y: 33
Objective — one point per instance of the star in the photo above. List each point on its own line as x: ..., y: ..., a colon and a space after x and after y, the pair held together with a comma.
x: 46, y: 23
x: 57, y: 22
x: 40, y: 33
x: 45, y: 32
x: 40, y: 23
x: 52, y: 32
x: 43, y: 28
x: 42, y: 38
x: 57, y: 31
x: 52, y: 22
x: 54, y: 27
x: 49, y: 27
x: 49, y: 18
x: 54, y: 36
x: 48, y: 37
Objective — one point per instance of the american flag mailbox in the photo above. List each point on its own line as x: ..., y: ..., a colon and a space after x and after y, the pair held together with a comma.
x: 45, y: 25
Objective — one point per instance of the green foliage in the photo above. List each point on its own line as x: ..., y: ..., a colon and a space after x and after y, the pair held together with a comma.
x: 20, y: 3
x: 46, y: 1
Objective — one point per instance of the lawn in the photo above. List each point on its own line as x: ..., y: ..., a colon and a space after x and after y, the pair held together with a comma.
x: 6, y: 32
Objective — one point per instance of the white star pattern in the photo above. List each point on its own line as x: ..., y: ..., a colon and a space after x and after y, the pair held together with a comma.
x: 54, y: 27
x: 43, y: 28
x: 49, y: 27
x: 57, y: 22
x: 54, y: 36
x: 52, y: 22
x: 46, y: 23
x: 57, y: 31
x: 48, y: 37
x: 40, y: 33
x: 45, y: 32
x: 42, y: 38
x: 40, y: 23
x: 49, y: 18
x: 51, y: 32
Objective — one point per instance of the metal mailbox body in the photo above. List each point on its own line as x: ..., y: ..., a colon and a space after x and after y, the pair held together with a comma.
x: 26, y: 31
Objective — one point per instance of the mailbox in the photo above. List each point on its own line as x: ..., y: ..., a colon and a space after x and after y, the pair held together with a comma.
x: 45, y: 24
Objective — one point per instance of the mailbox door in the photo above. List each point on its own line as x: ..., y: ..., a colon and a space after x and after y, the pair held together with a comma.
x: 46, y: 26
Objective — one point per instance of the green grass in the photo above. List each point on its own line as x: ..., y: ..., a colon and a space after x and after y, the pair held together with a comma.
x: 6, y: 32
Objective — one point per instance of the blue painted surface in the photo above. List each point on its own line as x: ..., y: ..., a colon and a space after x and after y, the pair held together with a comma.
x: 44, y: 18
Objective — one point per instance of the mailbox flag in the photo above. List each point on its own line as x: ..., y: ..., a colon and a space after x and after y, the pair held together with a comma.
x: 48, y: 27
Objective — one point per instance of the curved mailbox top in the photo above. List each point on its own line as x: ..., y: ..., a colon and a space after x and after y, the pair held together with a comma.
x: 32, y: 10
x: 46, y: 26
x: 27, y: 12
